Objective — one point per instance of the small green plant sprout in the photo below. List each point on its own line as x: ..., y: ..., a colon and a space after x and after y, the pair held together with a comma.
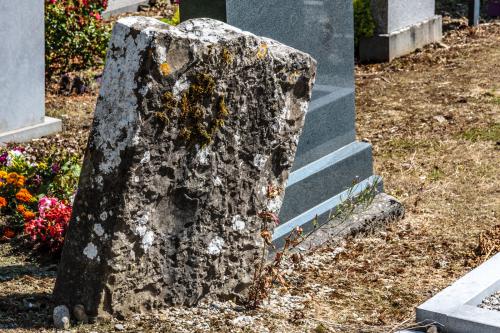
x: 174, y: 20
x: 436, y: 174
x: 269, y: 274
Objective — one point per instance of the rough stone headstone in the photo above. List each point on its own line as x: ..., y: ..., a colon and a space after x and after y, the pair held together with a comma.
x: 328, y: 158
x: 22, y: 72
x: 402, y: 26
x: 194, y: 134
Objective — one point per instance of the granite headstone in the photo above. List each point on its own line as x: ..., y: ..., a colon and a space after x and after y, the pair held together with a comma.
x: 328, y: 158
x: 22, y: 72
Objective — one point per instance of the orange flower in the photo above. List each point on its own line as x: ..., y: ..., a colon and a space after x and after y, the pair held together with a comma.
x: 21, y: 209
x: 3, y: 202
x: 8, y: 232
x: 12, y: 178
x: 28, y: 215
x: 20, y: 181
x: 24, y: 196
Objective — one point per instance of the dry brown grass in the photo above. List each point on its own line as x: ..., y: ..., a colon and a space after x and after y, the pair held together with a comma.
x: 433, y: 119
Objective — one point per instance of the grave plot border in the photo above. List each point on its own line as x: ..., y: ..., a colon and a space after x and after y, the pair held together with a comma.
x: 456, y: 307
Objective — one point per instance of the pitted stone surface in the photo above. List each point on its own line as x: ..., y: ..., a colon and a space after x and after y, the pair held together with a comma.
x: 194, y: 128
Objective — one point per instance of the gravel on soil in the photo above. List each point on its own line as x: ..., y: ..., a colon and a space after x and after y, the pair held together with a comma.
x: 492, y: 302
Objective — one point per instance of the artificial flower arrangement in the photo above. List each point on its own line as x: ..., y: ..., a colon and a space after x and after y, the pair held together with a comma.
x: 36, y: 195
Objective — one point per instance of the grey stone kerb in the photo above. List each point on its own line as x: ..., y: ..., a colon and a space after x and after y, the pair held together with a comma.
x: 456, y: 309
x: 22, y: 72
x: 328, y: 158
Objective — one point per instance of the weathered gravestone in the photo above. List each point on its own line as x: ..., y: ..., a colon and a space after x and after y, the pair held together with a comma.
x: 194, y: 134
x: 402, y: 26
x: 22, y: 72
x: 328, y: 159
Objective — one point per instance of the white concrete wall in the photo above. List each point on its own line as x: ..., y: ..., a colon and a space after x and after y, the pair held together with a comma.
x: 394, y: 15
x: 22, y: 64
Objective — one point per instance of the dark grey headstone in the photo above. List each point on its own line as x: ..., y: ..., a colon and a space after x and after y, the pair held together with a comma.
x: 328, y: 159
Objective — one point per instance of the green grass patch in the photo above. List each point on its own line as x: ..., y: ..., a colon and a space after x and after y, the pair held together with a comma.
x: 491, y: 133
x: 403, y: 146
x: 436, y: 174
x: 174, y: 20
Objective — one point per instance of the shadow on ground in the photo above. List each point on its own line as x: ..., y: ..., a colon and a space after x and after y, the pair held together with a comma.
x: 28, y: 310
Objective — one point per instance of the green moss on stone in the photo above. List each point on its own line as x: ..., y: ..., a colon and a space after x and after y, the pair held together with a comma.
x: 197, y: 125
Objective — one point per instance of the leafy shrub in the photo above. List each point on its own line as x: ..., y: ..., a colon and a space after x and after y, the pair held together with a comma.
x: 36, y: 195
x: 175, y: 19
x: 75, y: 36
x: 364, y: 24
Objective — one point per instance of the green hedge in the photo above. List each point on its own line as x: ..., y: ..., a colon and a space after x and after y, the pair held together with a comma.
x: 364, y: 24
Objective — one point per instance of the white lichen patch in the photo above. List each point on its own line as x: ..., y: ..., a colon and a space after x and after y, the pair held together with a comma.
x: 180, y: 86
x: 146, y: 158
x: 147, y: 240
x: 140, y: 230
x: 274, y: 204
x: 144, y: 219
x: 116, y: 112
x: 215, y: 246
x: 90, y: 251
x: 202, y: 156
x: 217, y: 181
x: 103, y: 216
x: 259, y: 161
x: 98, y: 229
x: 238, y: 223
x: 99, y: 180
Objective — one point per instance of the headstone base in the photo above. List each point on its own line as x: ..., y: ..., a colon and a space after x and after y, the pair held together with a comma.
x: 366, y: 217
x: 386, y: 47
x: 116, y: 7
x: 47, y: 127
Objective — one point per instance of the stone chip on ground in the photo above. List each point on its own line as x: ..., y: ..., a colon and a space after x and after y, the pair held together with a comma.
x: 193, y: 125
x: 61, y: 317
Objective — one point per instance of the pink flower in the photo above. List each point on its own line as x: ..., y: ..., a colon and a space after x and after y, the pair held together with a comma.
x: 45, y: 204
x: 96, y: 15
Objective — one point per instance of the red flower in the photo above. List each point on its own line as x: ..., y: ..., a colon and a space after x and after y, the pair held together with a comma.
x: 51, y: 225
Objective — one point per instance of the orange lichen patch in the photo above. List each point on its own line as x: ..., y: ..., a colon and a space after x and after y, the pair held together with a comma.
x: 165, y: 69
x: 262, y: 51
x: 227, y: 56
